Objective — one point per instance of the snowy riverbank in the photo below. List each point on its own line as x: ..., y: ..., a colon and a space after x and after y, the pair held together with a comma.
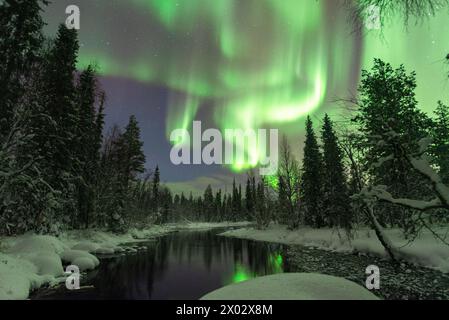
x: 424, y: 251
x: 30, y: 261
x: 292, y: 286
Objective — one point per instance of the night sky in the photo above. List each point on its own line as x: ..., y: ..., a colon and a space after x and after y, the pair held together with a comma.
x: 239, y: 64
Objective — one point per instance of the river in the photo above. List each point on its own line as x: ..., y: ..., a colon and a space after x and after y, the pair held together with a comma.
x: 183, y: 265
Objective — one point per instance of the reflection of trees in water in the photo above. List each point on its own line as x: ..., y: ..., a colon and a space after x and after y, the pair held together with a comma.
x: 195, y: 245
x: 253, y: 258
x: 132, y: 276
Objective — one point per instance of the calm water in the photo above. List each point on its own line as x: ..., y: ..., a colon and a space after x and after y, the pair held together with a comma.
x: 183, y: 265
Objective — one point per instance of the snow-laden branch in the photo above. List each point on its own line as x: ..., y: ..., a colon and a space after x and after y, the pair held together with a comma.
x: 382, y: 194
x: 421, y: 165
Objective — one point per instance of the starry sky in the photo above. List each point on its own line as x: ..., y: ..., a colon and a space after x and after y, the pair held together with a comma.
x: 239, y: 64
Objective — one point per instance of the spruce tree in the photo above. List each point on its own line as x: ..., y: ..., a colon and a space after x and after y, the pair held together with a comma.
x: 336, y: 201
x: 390, y: 122
x: 312, y: 190
x: 249, y: 200
x: 208, y: 203
x: 87, y: 153
x: 134, y: 158
x: 217, y: 206
x: 262, y: 212
x: 156, y: 182
x: 59, y: 97
x: 21, y: 40
x: 235, y: 202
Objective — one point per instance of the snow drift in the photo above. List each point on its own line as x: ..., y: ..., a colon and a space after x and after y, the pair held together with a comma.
x: 293, y: 286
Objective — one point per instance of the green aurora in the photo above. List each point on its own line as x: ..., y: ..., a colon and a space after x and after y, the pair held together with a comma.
x: 266, y: 63
x: 243, y: 273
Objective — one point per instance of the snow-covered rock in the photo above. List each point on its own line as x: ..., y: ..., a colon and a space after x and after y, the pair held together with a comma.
x: 293, y: 286
x: 37, y: 243
x: 86, y: 246
x: 47, y: 263
x: 106, y: 250
x: 18, y: 277
x: 82, y: 259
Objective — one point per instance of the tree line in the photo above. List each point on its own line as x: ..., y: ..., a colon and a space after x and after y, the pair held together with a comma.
x: 385, y: 164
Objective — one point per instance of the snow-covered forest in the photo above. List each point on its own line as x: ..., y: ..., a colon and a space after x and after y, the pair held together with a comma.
x: 383, y: 167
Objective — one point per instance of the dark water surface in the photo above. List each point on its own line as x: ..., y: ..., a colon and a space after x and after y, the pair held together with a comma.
x: 183, y: 265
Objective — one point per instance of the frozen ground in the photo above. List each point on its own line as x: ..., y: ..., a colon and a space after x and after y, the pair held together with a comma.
x: 293, y: 286
x: 405, y: 281
x: 424, y: 251
x: 30, y: 261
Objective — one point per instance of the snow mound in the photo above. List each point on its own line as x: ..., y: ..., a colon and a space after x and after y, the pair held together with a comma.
x: 86, y: 246
x: 106, y: 250
x: 84, y: 263
x: 41, y: 251
x: 293, y: 286
x: 37, y: 243
x: 82, y: 259
x: 92, y: 247
x: 18, y: 277
x: 47, y: 263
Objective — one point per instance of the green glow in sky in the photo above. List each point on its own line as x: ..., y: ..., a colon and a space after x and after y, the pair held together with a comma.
x: 420, y: 47
x: 262, y: 63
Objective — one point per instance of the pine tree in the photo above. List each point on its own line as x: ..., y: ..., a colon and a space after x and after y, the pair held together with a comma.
x: 87, y: 153
x: 262, y: 212
x: 112, y: 194
x: 59, y: 95
x: 311, y: 190
x: 21, y: 40
x: 249, y: 200
x: 229, y: 208
x: 218, y: 206
x: 388, y: 109
x: 235, y: 202
x: 134, y: 158
x: 336, y: 202
x: 156, y: 182
x: 208, y: 204
x: 166, y: 200
x: 56, y: 121
x: 440, y: 146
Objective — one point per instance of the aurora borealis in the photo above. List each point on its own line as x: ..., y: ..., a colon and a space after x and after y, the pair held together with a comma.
x: 244, y: 63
